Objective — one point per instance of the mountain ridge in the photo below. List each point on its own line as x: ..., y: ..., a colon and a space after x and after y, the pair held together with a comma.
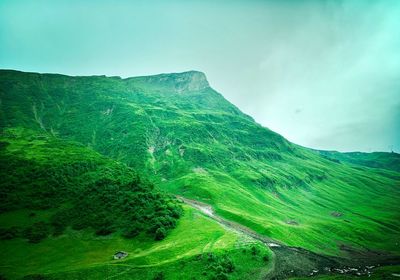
x: 180, y: 82
x: 182, y: 76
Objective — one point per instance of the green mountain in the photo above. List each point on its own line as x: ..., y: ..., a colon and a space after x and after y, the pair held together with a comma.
x: 390, y: 161
x: 175, y: 131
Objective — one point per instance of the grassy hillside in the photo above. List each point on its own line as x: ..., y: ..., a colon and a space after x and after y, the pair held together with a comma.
x: 81, y: 255
x: 65, y: 210
x: 77, y: 187
x: 175, y: 130
x: 390, y: 161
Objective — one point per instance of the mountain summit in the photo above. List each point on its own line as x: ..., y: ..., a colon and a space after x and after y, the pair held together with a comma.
x: 178, y: 82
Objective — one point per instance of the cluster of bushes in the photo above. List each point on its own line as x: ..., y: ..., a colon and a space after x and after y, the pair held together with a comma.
x: 34, y: 233
x: 255, y: 251
x: 43, y: 182
x: 219, y: 266
x: 36, y: 277
x: 159, y: 276
x: 89, y: 190
x: 131, y: 208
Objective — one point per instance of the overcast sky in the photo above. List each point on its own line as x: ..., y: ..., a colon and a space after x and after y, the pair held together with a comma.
x: 324, y: 74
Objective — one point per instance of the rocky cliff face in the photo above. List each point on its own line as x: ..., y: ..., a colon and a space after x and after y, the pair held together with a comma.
x: 191, y: 81
x: 178, y: 82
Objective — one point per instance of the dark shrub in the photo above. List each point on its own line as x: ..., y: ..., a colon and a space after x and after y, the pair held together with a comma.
x: 228, y: 265
x: 104, y: 231
x: 159, y: 276
x: 9, y: 233
x: 219, y: 266
x: 254, y: 250
x: 131, y: 231
x: 37, y: 232
x: 35, y: 277
x: 220, y: 276
x: 160, y: 233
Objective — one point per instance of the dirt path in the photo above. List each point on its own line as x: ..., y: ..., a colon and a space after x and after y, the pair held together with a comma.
x: 295, y: 261
x: 208, y: 211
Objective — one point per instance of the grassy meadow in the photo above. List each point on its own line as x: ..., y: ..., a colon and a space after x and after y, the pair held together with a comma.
x: 185, y: 251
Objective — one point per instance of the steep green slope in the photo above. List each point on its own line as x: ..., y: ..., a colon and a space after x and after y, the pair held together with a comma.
x: 187, y: 138
x: 390, y: 161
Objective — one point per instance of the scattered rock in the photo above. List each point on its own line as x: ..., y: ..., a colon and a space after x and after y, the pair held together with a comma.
x: 199, y: 170
x: 151, y: 149
x: 292, y: 222
x: 120, y: 255
x: 336, y: 214
x: 181, y: 151
x: 108, y: 111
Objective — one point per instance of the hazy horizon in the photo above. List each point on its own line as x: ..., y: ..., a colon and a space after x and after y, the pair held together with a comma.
x: 324, y: 74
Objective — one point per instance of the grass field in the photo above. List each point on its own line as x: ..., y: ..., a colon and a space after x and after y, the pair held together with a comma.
x: 77, y: 252
x: 303, y: 216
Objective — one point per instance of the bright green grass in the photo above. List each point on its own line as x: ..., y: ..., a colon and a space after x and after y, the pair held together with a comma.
x: 247, y: 266
x: 368, y: 221
x: 80, y: 250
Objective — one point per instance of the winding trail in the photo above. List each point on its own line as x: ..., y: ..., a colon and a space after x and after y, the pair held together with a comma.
x: 208, y: 211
